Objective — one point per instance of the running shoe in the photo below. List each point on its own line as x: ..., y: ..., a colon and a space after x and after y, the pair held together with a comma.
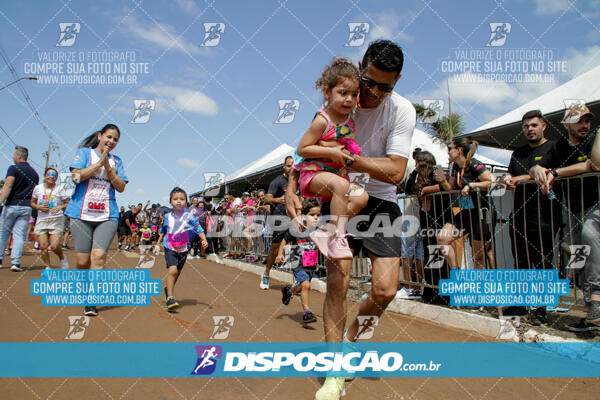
x: 308, y: 317
x: 321, y: 239
x: 119, y: 247
x: 90, y: 310
x: 593, y: 316
x: 16, y: 268
x: 126, y: 248
x: 264, y: 282
x: 332, y: 389
x: 172, y: 304
x: 286, y: 295
x: 338, y: 249
x: 65, y: 247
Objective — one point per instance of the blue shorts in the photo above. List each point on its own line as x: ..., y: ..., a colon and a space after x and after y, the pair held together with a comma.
x: 175, y: 258
x: 302, y: 275
x: 412, y: 247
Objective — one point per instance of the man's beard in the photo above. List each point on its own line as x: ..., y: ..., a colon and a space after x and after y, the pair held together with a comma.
x: 535, y: 140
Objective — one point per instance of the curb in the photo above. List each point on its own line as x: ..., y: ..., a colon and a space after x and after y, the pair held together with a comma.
x: 446, y: 316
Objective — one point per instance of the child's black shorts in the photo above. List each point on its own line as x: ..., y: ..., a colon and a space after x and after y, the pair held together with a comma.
x: 175, y: 258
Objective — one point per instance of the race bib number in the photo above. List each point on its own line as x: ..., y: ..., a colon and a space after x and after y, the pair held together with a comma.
x: 310, y: 258
x: 154, y: 228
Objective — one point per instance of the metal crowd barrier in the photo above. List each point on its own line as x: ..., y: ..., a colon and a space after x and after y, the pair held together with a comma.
x: 512, y: 243
x: 506, y: 243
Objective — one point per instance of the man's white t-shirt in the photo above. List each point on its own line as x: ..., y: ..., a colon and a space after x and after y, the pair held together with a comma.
x: 385, y: 130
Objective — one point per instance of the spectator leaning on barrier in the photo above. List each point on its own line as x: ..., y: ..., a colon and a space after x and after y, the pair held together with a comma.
x: 573, y: 152
x: 536, y: 213
x: 467, y: 174
x: 532, y: 235
x: 581, y: 224
x: 16, y: 191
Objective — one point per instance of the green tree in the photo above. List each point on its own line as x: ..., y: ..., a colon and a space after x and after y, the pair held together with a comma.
x: 446, y: 127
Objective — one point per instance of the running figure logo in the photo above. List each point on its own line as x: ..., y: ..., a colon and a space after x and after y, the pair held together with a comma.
x: 574, y: 114
x: 287, y: 111
x: 77, y: 325
x: 207, y: 359
x: 499, y: 33
x: 508, y: 326
x: 498, y: 188
x: 358, y: 181
x: 212, y: 34
x: 148, y: 255
x: 436, y: 256
x: 366, y: 326
x: 223, y: 324
x: 579, y: 253
x: 68, y: 33
x: 432, y: 112
x: 141, y: 111
x: 358, y: 34
x: 212, y: 183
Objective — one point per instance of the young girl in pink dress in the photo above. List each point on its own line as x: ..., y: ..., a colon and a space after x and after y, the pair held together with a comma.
x: 321, y: 162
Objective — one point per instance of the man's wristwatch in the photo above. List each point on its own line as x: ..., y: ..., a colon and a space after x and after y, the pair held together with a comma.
x: 350, y: 162
x: 554, y: 172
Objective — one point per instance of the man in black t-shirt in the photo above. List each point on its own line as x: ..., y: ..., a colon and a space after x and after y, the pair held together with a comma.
x: 128, y: 219
x: 275, y: 197
x: 122, y: 228
x: 580, y: 206
x: 17, y: 190
x: 533, y: 234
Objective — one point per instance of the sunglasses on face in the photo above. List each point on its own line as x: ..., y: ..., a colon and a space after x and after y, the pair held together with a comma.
x: 370, y: 83
x: 51, y: 175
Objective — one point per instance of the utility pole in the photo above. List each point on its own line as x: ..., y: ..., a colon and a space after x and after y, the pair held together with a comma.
x: 46, y: 154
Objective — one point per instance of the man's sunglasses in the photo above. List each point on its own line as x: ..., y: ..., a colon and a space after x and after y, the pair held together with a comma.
x: 370, y: 83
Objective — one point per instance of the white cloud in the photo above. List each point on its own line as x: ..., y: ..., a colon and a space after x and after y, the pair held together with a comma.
x: 188, y: 6
x: 188, y: 162
x: 159, y: 35
x: 140, y: 192
x: 548, y: 7
x: 580, y: 61
x: 181, y: 98
x: 470, y: 90
x: 384, y: 25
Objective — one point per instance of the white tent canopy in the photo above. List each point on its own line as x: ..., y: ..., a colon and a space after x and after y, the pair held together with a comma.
x: 269, y: 160
x: 505, y: 131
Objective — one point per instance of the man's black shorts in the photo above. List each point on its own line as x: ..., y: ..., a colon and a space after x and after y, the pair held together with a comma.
x: 124, y: 230
x: 278, y: 232
x: 380, y: 244
x: 175, y: 258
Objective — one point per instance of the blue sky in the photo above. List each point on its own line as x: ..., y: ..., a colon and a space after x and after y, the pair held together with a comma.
x: 215, y: 107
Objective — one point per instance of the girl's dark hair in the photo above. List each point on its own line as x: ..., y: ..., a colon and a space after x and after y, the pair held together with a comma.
x: 468, y: 146
x: 308, y: 203
x: 336, y: 72
x: 177, y: 189
x: 92, y: 140
x: 426, y: 162
x: 384, y: 55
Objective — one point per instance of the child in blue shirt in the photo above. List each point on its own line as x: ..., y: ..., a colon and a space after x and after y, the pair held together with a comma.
x: 178, y: 229
x: 304, y: 256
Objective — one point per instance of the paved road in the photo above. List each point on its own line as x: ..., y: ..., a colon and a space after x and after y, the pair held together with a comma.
x: 206, y: 289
